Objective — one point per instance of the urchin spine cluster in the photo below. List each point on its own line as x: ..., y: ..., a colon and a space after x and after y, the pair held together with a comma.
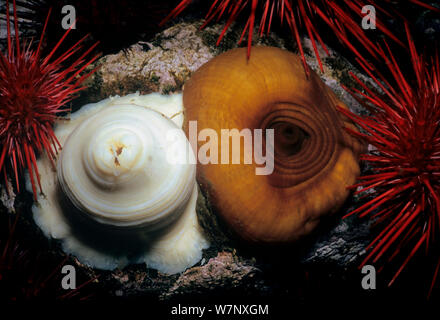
x: 33, y: 91
x: 404, y: 129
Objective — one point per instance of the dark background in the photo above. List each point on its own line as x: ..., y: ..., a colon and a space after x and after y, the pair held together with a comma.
x: 117, y: 25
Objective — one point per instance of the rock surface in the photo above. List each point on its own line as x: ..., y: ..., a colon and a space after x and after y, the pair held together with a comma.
x: 163, y: 65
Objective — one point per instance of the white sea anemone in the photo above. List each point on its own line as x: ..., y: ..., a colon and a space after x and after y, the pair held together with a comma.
x: 114, y: 197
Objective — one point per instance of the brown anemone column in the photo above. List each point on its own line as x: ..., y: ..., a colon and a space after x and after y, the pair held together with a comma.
x: 315, y: 159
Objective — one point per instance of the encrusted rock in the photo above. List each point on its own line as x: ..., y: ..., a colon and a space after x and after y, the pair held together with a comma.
x: 7, y: 196
x: 225, y: 270
x: 162, y: 65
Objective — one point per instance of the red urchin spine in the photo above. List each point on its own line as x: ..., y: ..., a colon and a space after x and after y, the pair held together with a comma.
x: 297, y: 13
x: 404, y: 129
x: 285, y: 9
x: 33, y: 91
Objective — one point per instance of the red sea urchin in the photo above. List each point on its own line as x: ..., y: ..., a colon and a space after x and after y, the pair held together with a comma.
x: 404, y: 131
x: 33, y: 91
x: 294, y: 12
x: 342, y: 18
